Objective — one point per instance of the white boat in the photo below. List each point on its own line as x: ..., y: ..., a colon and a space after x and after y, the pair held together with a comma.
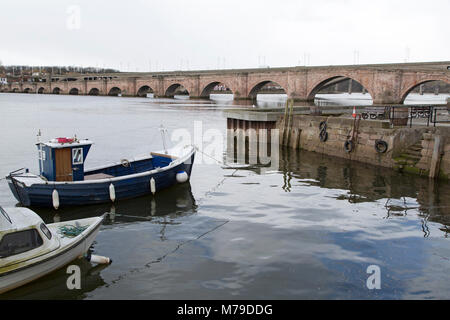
x: 30, y: 249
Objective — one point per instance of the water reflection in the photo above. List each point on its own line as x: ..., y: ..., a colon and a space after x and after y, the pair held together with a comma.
x: 171, y: 203
x: 53, y: 286
x: 343, y: 99
x: 278, y: 101
x: 415, y: 98
x: 271, y: 100
x: 162, y: 210
x: 398, y: 192
x: 262, y: 100
x: 223, y: 98
x: 313, y: 222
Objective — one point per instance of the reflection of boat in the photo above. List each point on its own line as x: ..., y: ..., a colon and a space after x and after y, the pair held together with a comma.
x: 30, y: 249
x: 174, y: 202
x: 64, y: 182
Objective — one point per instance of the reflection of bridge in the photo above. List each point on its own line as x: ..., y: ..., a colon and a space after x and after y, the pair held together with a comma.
x: 386, y: 83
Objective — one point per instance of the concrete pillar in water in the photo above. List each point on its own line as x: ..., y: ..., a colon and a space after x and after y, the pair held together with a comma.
x: 350, y: 85
x: 436, y: 90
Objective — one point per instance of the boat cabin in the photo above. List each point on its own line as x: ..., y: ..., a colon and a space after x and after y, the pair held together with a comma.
x: 23, y: 234
x: 62, y: 159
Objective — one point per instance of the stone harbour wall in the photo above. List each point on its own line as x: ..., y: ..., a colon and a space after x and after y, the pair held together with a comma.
x: 420, y: 150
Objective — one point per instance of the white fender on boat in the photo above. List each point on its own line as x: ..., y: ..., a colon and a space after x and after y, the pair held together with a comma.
x: 112, y: 192
x: 55, y: 199
x: 99, y: 259
x: 182, y: 177
x: 152, y: 185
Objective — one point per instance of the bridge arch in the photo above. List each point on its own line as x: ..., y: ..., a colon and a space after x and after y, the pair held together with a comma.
x: 175, y: 88
x: 416, y: 84
x: 94, y: 92
x: 27, y: 90
x: 114, y: 91
x: 261, y: 85
x: 143, y: 90
x: 56, y: 90
x: 335, y: 79
x: 74, y: 91
x: 215, y: 86
x: 41, y: 90
x: 15, y: 90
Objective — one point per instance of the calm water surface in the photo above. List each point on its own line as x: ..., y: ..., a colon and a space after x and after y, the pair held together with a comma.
x: 307, y: 230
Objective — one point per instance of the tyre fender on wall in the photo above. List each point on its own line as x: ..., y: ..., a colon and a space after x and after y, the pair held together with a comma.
x: 348, y: 146
x: 381, y: 146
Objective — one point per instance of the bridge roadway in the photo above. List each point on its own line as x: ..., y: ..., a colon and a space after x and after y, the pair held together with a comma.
x: 386, y: 83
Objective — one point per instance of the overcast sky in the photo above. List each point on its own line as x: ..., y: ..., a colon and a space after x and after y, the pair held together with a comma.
x: 143, y: 35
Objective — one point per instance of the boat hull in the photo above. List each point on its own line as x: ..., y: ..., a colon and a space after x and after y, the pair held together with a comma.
x: 74, y: 194
x: 22, y: 275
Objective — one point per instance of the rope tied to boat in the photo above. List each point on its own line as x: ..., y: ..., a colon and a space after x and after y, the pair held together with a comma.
x: 71, y: 231
x: 218, y: 161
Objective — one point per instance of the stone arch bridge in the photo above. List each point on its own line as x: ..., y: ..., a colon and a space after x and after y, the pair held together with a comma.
x: 386, y: 83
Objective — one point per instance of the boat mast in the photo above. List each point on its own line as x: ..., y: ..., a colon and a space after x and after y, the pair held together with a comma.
x: 41, y: 157
x: 163, y: 135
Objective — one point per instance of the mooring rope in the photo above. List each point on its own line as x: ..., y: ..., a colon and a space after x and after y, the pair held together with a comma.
x: 221, y: 182
x: 161, y: 258
x: 178, y: 246
x: 218, y: 161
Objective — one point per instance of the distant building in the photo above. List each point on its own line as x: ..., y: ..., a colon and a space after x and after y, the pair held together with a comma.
x: 3, y: 81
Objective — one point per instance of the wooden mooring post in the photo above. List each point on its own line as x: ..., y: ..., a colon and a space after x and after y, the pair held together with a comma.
x: 287, y: 126
x: 436, y: 157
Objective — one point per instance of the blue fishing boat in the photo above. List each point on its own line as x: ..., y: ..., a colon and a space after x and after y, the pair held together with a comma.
x: 63, y: 181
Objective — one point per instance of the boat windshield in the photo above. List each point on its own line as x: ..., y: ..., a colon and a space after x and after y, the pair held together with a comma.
x: 5, y: 214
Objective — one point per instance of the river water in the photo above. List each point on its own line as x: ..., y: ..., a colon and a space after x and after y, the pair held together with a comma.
x: 308, y: 229
x: 355, y: 98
